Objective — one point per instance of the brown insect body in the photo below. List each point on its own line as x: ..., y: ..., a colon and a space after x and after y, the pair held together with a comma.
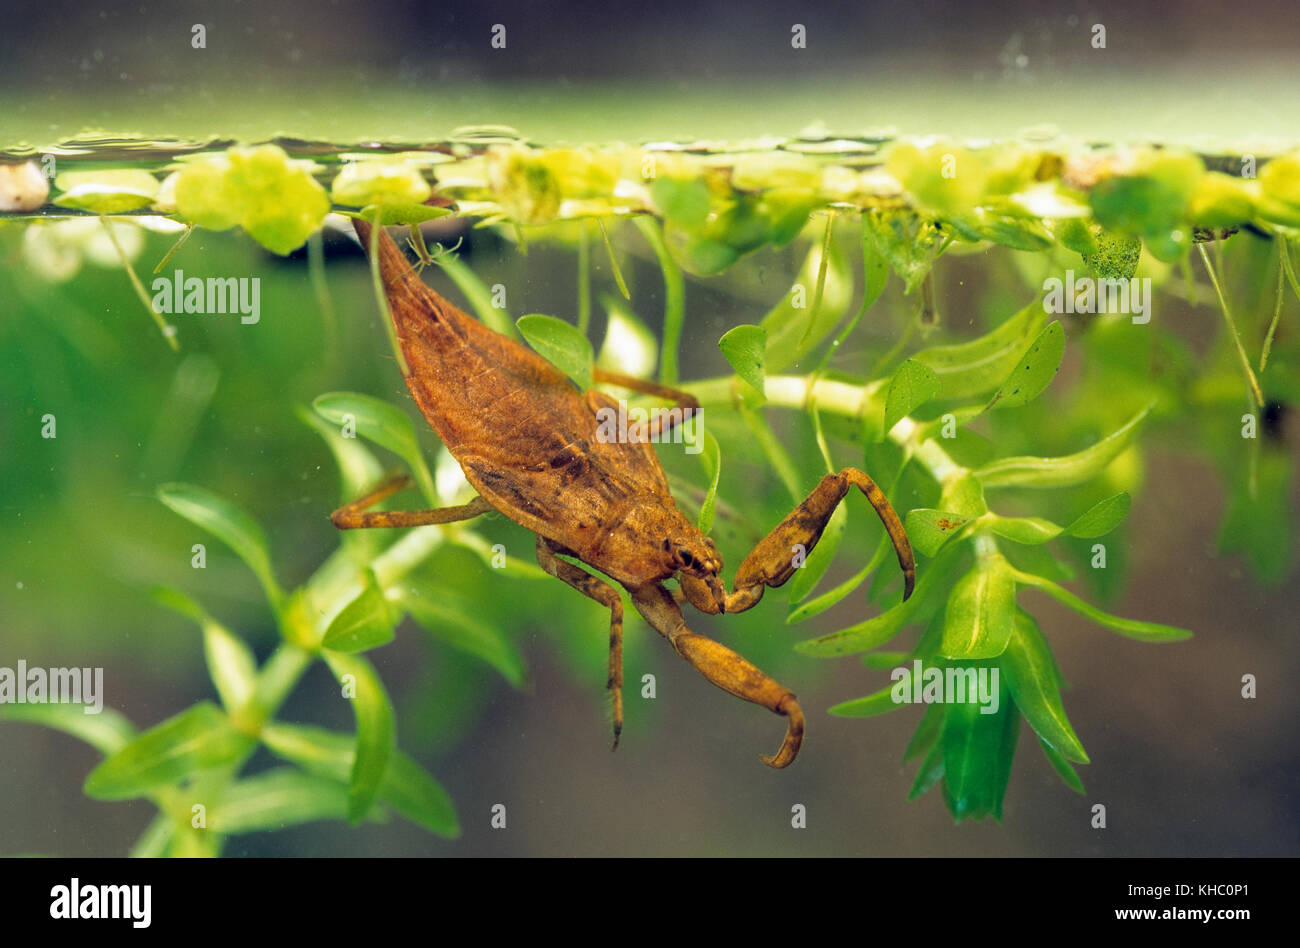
x: 527, y: 438
x: 529, y: 442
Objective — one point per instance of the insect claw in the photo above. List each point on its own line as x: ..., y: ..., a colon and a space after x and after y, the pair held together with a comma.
x: 793, y: 735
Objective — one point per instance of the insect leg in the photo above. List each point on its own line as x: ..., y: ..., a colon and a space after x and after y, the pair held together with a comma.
x: 605, y: 594
x: 355, y: 515
x: 726, y: 669
x: 772, y: 562
x: 663, y: 421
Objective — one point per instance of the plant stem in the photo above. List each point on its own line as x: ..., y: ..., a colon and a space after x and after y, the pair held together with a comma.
x: 823, y: 264
x: 674, y: 299
x: 1251, y: 381
x: 382, y: 298
x: 168, y: 331
x: 584, y: 278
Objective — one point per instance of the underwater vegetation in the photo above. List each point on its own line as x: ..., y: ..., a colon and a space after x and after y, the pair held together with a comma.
x: 1012, y: 468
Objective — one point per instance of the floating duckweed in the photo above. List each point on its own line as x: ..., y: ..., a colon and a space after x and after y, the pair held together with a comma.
x: 1074, y: 234
x: 1116, y: 256
x: 1149, y: 199
x: 276, y: 200
x: 944, y: 180
x: 379, y: 181
x: 108, y: 191
x: 1221, y: 200
x: 526, y: 187
x: 720, y: 201
x: 1279, y: 183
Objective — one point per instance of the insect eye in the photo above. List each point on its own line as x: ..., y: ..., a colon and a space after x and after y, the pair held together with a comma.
x: 685, y: 557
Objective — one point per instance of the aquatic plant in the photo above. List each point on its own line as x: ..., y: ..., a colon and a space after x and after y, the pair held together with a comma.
x: 1012, y: 483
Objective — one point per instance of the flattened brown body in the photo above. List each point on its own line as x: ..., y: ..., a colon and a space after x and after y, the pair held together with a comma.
x: 529, y: 442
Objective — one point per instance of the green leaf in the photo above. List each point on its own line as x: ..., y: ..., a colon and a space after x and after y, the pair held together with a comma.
x: 1016, y: 233
x: 884, y: 661
x: 107, y: 732
x: 405, y: 787
x: 1102, y: 517
x: 910, y: 244
x: 229, y: 524
x: 978, y: 750
x: 963, y: 495
x: 1061, y: 471
x: 981, y: 365
x: 231, y: 665
x: 1075, y: 234
x: 418, y: 797
x: 107, y: 190
x: 879, y: 702
x: 981, y: 611
x: 833, y: 596
x: 359, y: 469
x: 880, y: 629
x: 197, y: 739
x: 930, y: 773
x: 711, y: 456
x: 278, y: 799
x: 743, y: 347
x: 560, y: 344
x: 674, y: 297
x: 1062, y: 767
x: 454, y: 621
x: 684, y: 202
x: 364, y: 623
x: 797, y: 324
x: 384, y: 424
x: 930, y: 529
x: 1029, y: 530
x: 230, y: 661
x: 1151, y: 197
x: 912, y: 385
x: 376, y: 731
x: 926, y: 733
x: 875, y: 269
x: 1132, y: 628
x: 180, y: 603
x: 1032, y: 676
x: 1036, y: 368
x: 807, y: 577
